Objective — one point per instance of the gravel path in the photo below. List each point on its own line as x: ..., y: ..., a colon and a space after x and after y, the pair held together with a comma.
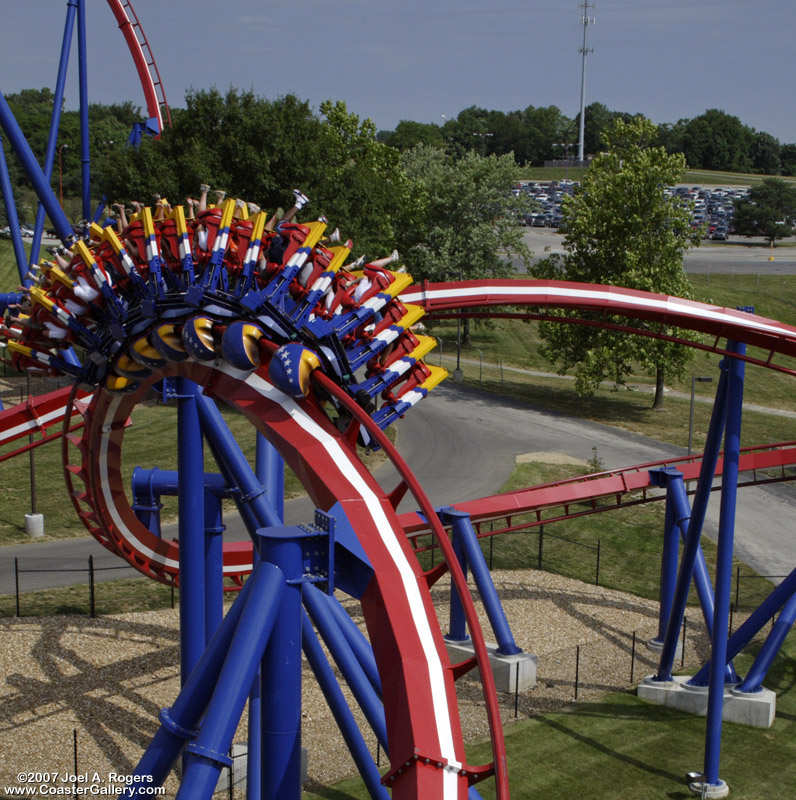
x: 108, y: 678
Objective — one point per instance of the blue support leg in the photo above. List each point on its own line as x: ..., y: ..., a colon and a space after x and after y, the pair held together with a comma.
x: 13, y: 219
x: 671, y: 539
x: 754, y: 678
x: 464, y: 531
x: 753, y: 625
x: 695, y: 523
x: 354, y: 676
x: 341, y: 712
x: 179, y: 722
x: 207, y: 755
x: 214, y: 563
x: 682, y: 514
x: 234, y: 466
x: 280, y: 696
x: 729, y: 488
x: 31, y: 167
x: 52, y: 139
x: 457, y: 631
x: 85, y: 155
x: 358, y: 643
x: 270, y: 471
x: 190, y: 462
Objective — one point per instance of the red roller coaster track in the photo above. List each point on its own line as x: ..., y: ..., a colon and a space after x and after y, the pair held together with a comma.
x: 154, y: 94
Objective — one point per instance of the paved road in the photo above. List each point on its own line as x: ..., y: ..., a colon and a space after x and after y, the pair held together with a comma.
x: 735, y: 256
x: 461, y: 443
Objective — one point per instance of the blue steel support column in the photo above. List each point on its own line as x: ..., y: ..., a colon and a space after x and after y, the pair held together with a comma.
x: 678, y: 497
x: 464, y: 531
x: 178, y: 723
x: 207, y: 755
x: 691, y: 546
x: 354, y: 675
x: 214, y: 563
x: 671, y: 540
x: 269, y: 468
x: 729, y: 489
x: 266, y: 459
x: 357, y: 642
x: 190, y: 464
x: 280, y: 671
x: 754, y: 678
x: 233, y: 463
x: 40, y: 183
x: 82, y: 62
x: 753, y: 625
x: 52, y: 140
x: 13, y: 218
x: 340, y: 711
x: 457, y: 621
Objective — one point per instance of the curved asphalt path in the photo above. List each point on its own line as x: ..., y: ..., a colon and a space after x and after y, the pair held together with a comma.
x: 462, y: 443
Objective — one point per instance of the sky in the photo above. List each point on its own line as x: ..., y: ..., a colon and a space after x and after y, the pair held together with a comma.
x: 392, y: 60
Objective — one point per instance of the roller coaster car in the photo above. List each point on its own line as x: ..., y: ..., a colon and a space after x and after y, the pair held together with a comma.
x: 134, y: 233
x: 317, y: 263
x: 403, y: 346
x: 240, y: 236
x: 293, y: 235
x: 416, y: 375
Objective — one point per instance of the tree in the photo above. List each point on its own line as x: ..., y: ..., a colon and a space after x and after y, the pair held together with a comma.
x: 360, y: 182
x: 764, y: 153
x: 465, y: 216
x: 717, y: 140
x: 407, y: 134
x: 623, y: 230
x: 768, y: 210
x: 787, y: 157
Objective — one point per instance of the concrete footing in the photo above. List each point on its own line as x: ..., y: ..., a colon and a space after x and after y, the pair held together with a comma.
x: 656, y: 645
x: 757, y: 709
x: 239, y: 771
x: 712, y: 790
x: 34, y: 525
x: 512, y: 673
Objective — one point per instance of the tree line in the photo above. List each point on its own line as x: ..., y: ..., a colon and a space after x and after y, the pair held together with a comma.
x: 714, y: 140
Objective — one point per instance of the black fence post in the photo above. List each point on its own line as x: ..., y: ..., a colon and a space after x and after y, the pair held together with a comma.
x: 577, y: 669
x: 682, y: 651
x: 378, y: 753
x: 597, y: 576
x: 172, y: 592
x: 491, y: 547
x: 633, y: 658
x: 16, y: 581
x: 737, y: 583
x: 74, y: 750
x: 541, y: 540
x: 231, y: 775
x: 517, y: 691
x: 91, y: 600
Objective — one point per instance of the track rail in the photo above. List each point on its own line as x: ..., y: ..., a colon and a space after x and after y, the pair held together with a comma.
x: 605, y: 491
x: 426, y: 743
x: 144, y: 60
x: 670, y: 315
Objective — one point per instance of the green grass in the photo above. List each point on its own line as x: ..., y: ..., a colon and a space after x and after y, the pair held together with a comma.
x: 113, y: 597
x: 621, y: 748
x: 695, y: 177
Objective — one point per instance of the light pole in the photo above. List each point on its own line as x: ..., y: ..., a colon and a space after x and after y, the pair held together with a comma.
x: 61, y: 173
x: 483, y: 142
x: 694, y: 380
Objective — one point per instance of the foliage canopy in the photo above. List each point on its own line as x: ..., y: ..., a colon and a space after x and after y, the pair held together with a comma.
x: 622, y: 229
